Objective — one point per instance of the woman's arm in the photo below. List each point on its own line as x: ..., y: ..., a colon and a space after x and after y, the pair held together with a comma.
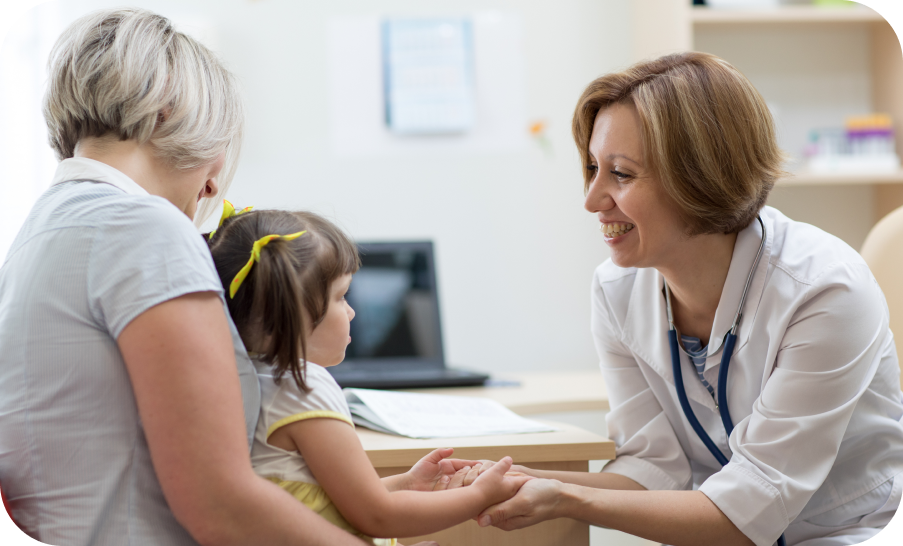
x: 335, y: 456
x: 672, y: 517
x: 182, y: 368
x: 596, y: 480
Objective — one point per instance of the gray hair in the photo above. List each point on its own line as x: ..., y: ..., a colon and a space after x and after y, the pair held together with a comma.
x: 128, y: 73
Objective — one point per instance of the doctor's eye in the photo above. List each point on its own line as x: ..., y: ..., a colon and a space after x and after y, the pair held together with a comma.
x: 620, y: 176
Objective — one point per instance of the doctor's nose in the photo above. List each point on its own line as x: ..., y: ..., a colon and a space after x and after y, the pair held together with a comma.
x: 598, y: 199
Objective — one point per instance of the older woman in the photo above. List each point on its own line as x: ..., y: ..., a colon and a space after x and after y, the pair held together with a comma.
x: 123, y: 416
x: 802, y: 437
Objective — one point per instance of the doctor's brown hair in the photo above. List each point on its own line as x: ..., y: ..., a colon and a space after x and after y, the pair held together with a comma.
x: 290, y: 278
x: 707, y: 134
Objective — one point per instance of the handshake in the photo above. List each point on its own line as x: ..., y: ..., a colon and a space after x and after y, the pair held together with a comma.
x: 517, y: 496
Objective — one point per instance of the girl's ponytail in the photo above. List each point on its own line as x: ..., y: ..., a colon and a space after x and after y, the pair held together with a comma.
x: 278, y: 307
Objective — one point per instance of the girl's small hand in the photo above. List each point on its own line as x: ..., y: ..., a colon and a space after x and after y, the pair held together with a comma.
x: 465, y: 476
x: 435, y: 471
x: 498, y: 484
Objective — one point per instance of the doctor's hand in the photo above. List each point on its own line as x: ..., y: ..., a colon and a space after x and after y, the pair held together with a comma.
x: 434, y: 472
x: 535, y: 502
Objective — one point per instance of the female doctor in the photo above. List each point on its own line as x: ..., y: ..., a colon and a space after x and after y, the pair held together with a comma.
x: 679, y: 156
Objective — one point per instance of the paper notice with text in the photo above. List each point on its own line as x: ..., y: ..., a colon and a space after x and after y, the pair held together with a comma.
x: 435, y: 416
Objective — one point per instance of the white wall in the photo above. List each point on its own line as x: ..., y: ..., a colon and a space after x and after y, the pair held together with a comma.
x: 515, y: 249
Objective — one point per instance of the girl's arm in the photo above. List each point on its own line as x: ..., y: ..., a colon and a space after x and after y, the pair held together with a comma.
x: 337, y: 459
x: 681, y: 518
x: 182, y: 368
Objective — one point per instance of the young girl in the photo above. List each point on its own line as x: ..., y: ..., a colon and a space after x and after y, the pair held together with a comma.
x: 286, y: 274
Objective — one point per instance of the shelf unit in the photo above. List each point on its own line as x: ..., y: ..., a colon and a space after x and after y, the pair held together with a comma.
x: 701, y: 15
x: 666, y: 26
x: 804, y: 178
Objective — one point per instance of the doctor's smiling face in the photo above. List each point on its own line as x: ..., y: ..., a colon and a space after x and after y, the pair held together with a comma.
x: 640, y: 222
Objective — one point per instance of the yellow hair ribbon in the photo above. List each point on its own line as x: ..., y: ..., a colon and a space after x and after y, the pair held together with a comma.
x: 255, y: 257
x: 228, y: 212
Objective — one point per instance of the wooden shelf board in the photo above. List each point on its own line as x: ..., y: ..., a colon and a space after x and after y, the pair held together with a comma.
x: 784, y: 14
x: 847, y: 179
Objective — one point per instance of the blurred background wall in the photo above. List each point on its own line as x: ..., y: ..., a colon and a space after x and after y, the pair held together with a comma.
x: 515, y: 249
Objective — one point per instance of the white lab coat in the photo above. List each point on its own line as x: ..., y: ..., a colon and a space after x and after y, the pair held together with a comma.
x: 814, y: 390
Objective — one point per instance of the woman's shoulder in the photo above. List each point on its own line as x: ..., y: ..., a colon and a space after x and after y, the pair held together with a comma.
x: 147, y: 228
x: 809, y: 255
x: 109, y: 212
x: 153, y: 215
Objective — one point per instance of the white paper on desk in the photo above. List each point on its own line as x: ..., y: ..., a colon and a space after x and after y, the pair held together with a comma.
x: 435, y: 416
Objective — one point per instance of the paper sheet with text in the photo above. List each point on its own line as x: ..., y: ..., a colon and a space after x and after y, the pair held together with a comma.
x: 435, y: 416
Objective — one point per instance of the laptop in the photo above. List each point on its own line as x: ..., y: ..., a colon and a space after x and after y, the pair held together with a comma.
x: 396, y: 334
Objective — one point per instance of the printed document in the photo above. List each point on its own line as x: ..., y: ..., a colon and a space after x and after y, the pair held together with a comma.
x: 435, y: 416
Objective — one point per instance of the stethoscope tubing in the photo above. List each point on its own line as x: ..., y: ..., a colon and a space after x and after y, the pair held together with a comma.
x: 685, y: 402
x: 730, y: 340
x: 722, y: 397
x: 725, y: 412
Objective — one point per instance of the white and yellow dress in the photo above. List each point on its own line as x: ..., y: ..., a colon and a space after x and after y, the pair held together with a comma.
x: 284, y: 404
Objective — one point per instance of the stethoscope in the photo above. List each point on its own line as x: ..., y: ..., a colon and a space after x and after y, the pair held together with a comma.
x: 728, y: 343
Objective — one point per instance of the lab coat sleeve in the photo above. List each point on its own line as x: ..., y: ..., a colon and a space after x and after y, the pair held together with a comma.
x: 648, y: 451
x: 784, y: 450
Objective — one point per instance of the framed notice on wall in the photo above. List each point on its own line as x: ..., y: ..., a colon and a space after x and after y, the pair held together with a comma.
x: 428, y: 76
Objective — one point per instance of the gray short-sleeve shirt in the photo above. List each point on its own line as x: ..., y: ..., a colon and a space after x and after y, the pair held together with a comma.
x: 95, y: 252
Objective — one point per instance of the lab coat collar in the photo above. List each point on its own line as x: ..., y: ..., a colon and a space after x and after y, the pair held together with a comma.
x: 745, y: 249
x: 647, y: 310
x: 82, y: 168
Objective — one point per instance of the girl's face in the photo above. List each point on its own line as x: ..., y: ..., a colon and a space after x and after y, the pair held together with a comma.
x: 640, y: 223
x: 326, y: 344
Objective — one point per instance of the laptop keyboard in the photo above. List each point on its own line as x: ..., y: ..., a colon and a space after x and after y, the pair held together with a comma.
x: 406, y: 378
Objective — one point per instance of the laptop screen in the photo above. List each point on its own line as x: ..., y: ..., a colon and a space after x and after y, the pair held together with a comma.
x: 396, y: 306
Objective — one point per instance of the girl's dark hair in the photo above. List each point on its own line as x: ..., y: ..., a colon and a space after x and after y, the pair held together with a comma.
x: 291, y: 276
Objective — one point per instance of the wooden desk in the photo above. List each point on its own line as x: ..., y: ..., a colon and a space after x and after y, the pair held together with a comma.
x: 567, y: 449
